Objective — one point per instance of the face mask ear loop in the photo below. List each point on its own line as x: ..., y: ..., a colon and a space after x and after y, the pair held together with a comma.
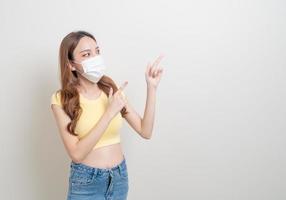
x: 76, y: 68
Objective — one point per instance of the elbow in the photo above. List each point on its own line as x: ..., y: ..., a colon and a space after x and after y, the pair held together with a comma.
x: 76, y: 158
x: 146, y: 136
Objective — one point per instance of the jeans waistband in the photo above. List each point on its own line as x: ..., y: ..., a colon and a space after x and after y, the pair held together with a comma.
x: 87, y: 168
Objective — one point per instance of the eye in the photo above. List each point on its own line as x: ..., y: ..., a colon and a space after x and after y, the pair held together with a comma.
x: 86, y: 55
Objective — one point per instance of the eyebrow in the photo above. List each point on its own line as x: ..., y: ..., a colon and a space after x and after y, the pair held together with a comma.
x: 88, y: 49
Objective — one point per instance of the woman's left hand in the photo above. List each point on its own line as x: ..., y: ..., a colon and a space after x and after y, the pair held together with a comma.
x: 153, y: 73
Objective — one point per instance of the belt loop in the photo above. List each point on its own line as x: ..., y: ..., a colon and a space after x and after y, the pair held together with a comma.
x: 110, y: 172
x: 110, y: 184
x: 119, y: 167
x: 95, y: 170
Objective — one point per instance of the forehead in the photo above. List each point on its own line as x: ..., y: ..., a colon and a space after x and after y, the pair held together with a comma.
x: 85, y: 43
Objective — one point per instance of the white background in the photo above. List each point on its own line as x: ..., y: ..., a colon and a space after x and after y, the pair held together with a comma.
x: 220, y: 111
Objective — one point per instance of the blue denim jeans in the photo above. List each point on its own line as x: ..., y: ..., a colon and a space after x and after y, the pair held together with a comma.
x: 90, y: 183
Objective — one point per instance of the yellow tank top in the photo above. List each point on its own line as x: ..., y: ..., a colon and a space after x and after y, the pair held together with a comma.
x: 92, y: 110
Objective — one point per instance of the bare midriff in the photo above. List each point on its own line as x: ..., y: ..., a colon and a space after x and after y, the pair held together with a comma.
x: 105, y: 157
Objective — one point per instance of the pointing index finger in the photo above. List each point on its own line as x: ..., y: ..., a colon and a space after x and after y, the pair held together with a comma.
x: 123, y: 86
x: 158, y: 60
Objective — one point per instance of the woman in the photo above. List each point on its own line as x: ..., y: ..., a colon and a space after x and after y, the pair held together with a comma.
x: 89, y: 110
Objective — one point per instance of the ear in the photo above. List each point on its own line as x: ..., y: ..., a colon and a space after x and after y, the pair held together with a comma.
x: 70, y: 66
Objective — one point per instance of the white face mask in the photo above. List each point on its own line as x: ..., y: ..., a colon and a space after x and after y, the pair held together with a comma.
x: 93, y: 68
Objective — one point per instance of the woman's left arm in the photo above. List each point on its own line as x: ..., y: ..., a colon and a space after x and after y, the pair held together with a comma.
x: 144, y: 126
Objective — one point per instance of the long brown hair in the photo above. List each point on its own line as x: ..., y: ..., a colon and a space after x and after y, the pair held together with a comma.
x: 69, y: 80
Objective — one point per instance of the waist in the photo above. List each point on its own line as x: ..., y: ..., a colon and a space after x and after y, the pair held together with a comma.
x: 95, y: 170
x: 104, y: 157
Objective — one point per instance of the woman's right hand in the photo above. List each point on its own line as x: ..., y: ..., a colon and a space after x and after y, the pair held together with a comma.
x: 116, y: 101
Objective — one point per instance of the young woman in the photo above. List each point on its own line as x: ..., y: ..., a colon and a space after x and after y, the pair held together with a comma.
x: 89, y: 110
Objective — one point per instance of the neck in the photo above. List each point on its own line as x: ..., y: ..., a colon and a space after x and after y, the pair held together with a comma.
x: 87, y: 86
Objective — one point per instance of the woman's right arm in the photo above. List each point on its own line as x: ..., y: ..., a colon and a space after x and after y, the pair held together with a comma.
x: 79, y: 149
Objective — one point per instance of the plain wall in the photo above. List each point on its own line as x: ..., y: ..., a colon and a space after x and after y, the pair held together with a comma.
x: 220, y: 110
